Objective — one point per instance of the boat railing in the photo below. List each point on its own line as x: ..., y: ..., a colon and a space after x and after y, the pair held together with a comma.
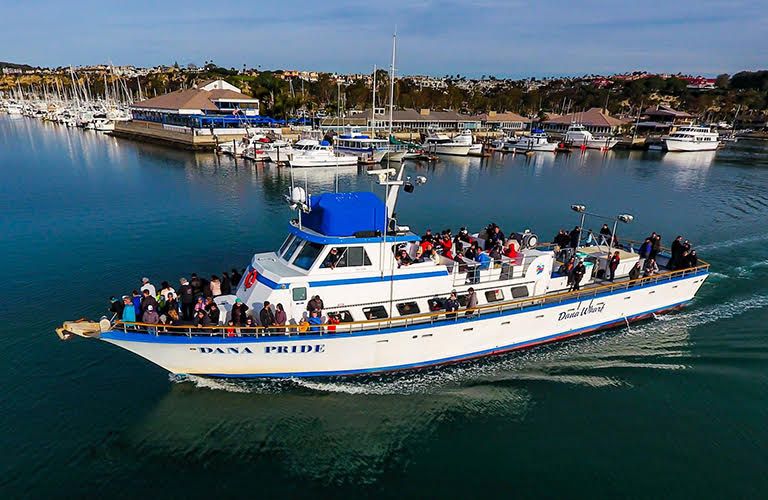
x: 441, y: 317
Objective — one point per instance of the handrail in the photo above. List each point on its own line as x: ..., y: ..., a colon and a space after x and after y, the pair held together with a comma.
x: 415, y: 318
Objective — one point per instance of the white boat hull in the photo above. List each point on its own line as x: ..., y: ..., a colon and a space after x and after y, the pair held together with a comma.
x: 447, y: 149
x: 674, y: 145
x: 406, y: 346
x: 340, y: 161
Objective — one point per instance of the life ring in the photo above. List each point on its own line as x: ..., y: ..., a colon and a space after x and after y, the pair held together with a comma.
x: 251, y: 279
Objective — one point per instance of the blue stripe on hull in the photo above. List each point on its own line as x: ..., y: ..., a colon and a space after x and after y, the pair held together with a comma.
x: 454, y: 359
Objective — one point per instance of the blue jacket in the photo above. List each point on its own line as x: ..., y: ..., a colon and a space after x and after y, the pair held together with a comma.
x: 315, y: 321
x: 129, y: 314
x: 137, y: 306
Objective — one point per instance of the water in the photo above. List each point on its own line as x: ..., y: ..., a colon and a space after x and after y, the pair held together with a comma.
x: 674, y: 407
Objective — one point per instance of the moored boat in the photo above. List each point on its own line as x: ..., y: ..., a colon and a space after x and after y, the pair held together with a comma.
x: 692, y: 138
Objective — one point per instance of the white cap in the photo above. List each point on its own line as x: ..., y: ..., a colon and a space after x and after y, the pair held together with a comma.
x: 149, y: 308
x: 145, y: 280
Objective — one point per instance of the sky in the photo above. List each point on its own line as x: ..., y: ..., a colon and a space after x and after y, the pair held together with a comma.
x: 487, y: 37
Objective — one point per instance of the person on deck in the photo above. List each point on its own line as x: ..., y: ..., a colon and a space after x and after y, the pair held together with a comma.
x: 451, y: 306
x: 511, y: 252
x: 129, y: 312
x: 166, y: 288
x: 281, y: 318
x: 202, y: 319
x: 655, y: 246
x: 578, y: 273
x: 116, y: 307
x: 403, y: 259
x: 612, y: 265
x: 171, y: 304
x: 226, y: 284
x: 314, y: 320
x: 150, y: 316
x: 645, y: 249
x: 573, y: 237
x: 606, y: 232
x: 146, y: 285
x: 315, y: 304
x: 446, y: 246
x: 214, y: 313
x: 332, y: 259
x: 148, y: 300
x: 462, y: 237
x: 235, y: 277
x: 187, y: 300
x: 693, y: 261
x: 215, y: 286
x: 471, y: 301
x: 635, y: 272
x: 266, y: 316
x: 238, y: 312
x: 651, y: 268
x: 677, y: 249
x: 136, y: 298
x: 428, y: 236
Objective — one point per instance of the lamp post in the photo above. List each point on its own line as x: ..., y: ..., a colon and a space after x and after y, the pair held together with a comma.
x: 625, y: 218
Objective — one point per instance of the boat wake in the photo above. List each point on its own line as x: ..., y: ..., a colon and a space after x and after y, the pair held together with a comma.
x: 732, y: 242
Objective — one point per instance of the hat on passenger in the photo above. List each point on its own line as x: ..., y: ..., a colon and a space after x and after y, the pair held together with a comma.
x: 145, y: 280
x: 238, y: 301
x: 149, y: 308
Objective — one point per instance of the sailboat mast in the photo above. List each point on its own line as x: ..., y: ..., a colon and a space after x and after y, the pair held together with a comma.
x: 373, y: 105
x: 392, y: 83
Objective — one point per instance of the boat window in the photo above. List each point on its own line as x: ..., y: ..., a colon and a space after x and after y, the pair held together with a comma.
x: 407, y: 308
x: 292, y: 249
x: 436, y: 304
x: 299, y: 294
x: 344, y: 316
x: 285, y: 244
x: 494, y: 296
x: 519, y: 291
x: 308, y: 255
x: 462, y: 299
x: 375, y: 312
x: 348, y: 257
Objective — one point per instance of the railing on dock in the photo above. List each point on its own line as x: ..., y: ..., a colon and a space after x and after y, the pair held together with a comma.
x: 440, y: 317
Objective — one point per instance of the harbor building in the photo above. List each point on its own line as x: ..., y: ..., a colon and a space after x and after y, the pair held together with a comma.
x: 197, y: 118
x: 408, y: 120
x: 662, y: 119
x: 506, y: 122
x: 594, y: 120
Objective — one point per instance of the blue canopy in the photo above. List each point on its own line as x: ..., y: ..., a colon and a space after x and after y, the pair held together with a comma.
x: 344, y: 214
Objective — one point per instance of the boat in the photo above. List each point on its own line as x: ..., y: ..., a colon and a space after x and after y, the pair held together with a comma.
x: 537, y: 141
x: 13, y: 109
x: 263, y: 148
x: 465, y: 137
x: 381, y: 314
x: 441, y: 144
x: 362, y: 146
x: 577, y: 136
x: 692, y: 138
x: 319, y: 154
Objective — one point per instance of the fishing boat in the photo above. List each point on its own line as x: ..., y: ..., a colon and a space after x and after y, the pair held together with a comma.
x: 577, y: 136
x: 382, y: 312
x: 692, y: 138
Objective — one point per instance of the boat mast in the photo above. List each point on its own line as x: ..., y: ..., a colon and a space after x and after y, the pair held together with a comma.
x: 373, y: 105
x: 392, y: 84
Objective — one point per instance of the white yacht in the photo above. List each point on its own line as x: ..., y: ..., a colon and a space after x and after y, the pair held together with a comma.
x: 319, y: 155
x: 441, y: 144
x: 260, y: 149
x: 13, y: 109
x: 385, y: 309
x: 365, y: 147
x: 465, y: 137
x: 537, y: 141
x: 577, y: 135
x: 692, y: 138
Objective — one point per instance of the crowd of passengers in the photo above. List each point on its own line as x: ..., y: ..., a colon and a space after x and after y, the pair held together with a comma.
x: 682, y: 255
x: 193, y: 304
x: 461, y: 246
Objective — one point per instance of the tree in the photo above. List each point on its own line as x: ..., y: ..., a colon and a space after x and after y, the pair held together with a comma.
x: 722, y: 81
